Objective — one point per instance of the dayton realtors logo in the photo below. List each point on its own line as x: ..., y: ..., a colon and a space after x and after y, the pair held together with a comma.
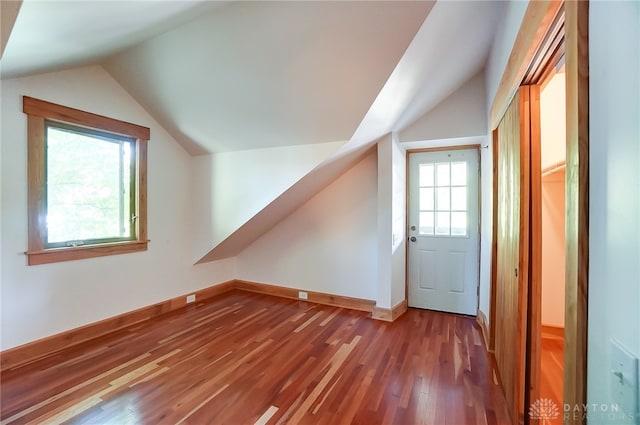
x: 544, y: 408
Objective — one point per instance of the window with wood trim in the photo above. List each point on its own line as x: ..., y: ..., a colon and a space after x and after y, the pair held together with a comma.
x: 86, y: 182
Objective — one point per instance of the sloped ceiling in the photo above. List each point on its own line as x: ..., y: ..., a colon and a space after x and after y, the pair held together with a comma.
x: 237, y: 75
x: 264, y: 74
x: 53, y: 35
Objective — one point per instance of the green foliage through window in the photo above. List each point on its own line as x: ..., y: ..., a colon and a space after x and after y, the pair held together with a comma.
x: 89, y: 186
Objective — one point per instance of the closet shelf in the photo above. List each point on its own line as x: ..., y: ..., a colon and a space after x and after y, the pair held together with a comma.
x: 553, y: 168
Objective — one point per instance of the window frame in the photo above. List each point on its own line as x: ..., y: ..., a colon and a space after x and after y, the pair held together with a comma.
x: 38, y: 112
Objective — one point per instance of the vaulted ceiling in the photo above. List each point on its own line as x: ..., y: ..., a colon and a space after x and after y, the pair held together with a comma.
x: 236, y: 75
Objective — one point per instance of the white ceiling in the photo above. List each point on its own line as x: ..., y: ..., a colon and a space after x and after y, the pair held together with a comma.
x: 50, y: 35
x: 265, y: 74
x: 235, y: 75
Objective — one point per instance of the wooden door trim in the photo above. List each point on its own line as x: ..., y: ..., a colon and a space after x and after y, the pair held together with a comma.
x: 494, y: 247
x: 523, y: 260
x: 537, y: 20
x: 534, y: 305
x: 577, y: 205
x: 444, y: 148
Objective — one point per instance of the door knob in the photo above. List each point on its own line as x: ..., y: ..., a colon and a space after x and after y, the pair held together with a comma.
x: 412, y: 239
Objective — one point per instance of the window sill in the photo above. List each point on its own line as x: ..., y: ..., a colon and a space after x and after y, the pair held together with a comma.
x: 56, y: 255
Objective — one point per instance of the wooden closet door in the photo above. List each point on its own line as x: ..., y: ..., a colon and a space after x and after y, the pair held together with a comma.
x: 513, y: 250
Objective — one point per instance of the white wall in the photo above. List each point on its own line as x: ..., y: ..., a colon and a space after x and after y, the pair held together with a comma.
x: 391, y: 215
x: 398, y: 222
x: 231, y: 187
x: 614, y: 193
x: 384, y: 221
x: 505, y: 36
x: 553, y: 136
x: 328, y: 245
x: 38, y: 301
x: 462, y: 114
x: 553, y: 248
x: 553, y: 122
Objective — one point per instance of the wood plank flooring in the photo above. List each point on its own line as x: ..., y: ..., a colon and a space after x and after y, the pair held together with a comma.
x: 245, y: 358
x: 552, y: 373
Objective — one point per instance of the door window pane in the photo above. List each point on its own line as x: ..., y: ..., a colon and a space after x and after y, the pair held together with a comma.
x: 459, y: 224
x: 426, y: 223
x: 458, y: 174
x: 458, y: 198
x: 426, y: 175
x: 442, y: 174
x: 442, y: 223
x: 426, y: 199
x: 443, y: 200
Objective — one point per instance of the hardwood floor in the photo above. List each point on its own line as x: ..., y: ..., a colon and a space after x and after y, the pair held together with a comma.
x: 245, y: 358
x: 552, y: 372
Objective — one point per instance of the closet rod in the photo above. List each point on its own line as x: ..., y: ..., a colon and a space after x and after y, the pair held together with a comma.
x: 553, y: 168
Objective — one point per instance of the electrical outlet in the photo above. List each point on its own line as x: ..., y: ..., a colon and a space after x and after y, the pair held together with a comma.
x: 191, y: 298
x: 624, y: 378
x: 303, y: 295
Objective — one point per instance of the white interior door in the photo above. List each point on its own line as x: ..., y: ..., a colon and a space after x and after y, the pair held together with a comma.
x: 443, y: 231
